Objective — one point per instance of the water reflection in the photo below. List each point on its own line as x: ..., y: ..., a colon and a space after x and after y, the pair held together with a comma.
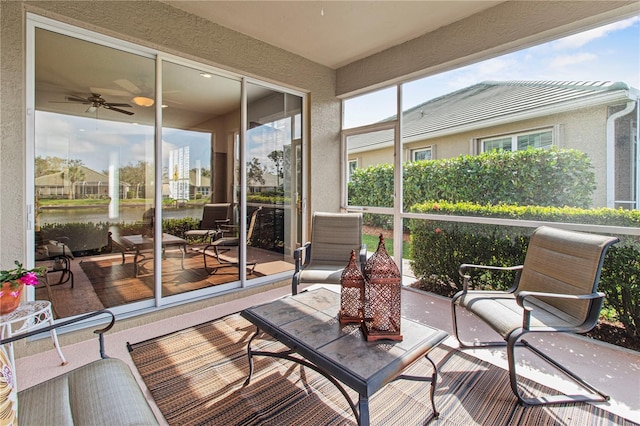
x: 101, y: 214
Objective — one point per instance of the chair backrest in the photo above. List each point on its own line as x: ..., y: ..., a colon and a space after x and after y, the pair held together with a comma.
x: 213, y: 214
x: 567, y: 262
x: 334, y: 235
x: 252, y: 224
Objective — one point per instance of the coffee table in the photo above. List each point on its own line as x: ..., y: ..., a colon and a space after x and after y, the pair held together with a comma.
x: 307, y: 324
x: 140, y: 243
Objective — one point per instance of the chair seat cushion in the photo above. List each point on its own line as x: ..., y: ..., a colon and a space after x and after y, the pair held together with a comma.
x: 501, y: 311
x: 103, y: 392
x: 226, y: 242
x: 199, y: 232
x: 322, y: 272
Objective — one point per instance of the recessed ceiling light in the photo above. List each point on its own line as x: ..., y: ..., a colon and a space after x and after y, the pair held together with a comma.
x: 205, y: 75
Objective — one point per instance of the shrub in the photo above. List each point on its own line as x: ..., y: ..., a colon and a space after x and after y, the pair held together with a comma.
x: 80, y: 237
x: 539, y: 177
x: 620, y: 281
x: 439, y: 247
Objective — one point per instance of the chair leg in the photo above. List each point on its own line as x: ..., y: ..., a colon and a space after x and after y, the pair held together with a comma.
x: 468, y: 345
x: 511, y: 343
x: 251, y: 266
x: 596, y: 396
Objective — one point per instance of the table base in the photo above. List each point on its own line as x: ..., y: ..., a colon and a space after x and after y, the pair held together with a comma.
x: 361, y: 413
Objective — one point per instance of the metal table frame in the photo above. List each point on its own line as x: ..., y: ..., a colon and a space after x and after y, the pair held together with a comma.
x: 307, y: 324
x: 28, y: 316
x: 139, y: 243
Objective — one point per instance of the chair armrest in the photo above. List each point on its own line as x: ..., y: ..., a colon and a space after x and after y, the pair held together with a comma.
x: 466, y: 277
x: 221, y: 222
x: 523, y: 295
x: 100, y: 332
x: 301, y: 256
x: 363, y: 255
x: 224, y: 228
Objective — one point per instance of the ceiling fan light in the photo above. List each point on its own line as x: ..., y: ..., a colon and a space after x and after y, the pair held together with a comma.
x: 143, y: 101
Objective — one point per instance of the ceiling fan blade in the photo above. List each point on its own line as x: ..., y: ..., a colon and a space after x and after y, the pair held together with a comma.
x: 107, y: 106
x: 117, y: 105
x: 75, y: 99
x: 127, y: 85
x: 109, y: 92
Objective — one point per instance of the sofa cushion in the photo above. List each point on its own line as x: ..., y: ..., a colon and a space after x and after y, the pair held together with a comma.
x: 100, y: 393
x: 8, y: 392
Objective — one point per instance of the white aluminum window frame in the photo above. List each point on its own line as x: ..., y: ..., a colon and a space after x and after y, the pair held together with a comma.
x: 514, y: 138
x: 416, y: 151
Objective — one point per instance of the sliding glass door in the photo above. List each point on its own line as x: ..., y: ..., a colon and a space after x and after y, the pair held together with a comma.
x: 200, y: 116
x: 147, y: 188
x: 93, y: 171
x: 273, y: 179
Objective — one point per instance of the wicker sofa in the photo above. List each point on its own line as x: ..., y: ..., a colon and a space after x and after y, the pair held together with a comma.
x: 103, y: 392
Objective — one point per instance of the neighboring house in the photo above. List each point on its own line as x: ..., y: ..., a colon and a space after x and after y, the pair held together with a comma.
x: 91, y: 184
x: 199, y: 187
x: 199, y: 184
x: 598, y: 118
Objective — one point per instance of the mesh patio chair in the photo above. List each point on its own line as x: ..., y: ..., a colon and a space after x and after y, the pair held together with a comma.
x: 555, y: 291
x: 213, y: 217
x: 220, y: 245
x: 322, y: 260
x: 59, y: 256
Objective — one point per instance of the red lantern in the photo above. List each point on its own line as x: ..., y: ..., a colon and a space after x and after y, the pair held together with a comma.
x: 351, y: 293
x: 383, y: 284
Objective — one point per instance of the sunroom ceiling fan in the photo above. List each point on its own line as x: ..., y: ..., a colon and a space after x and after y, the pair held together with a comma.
x: 96, y: 101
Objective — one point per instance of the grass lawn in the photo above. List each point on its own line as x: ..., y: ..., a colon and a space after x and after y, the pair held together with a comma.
x: 372, y: 244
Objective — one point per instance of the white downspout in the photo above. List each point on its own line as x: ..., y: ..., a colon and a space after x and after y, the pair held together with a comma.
x: 637, y: 154
x: 611, y: 151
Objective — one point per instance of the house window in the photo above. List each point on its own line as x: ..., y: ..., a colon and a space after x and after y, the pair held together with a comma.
x: 353, y: 165
x: 421, y: 154
x: 518, y: 142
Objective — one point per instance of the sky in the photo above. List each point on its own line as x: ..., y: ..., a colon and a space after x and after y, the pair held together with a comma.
x: 607, y: 53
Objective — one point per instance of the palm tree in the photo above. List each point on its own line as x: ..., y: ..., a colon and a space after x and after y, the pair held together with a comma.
x: 74, y: 173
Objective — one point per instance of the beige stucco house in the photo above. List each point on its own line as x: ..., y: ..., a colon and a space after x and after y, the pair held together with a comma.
x: 593, y: 117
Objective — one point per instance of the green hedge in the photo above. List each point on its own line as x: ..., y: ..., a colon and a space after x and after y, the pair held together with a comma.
x: 439, y: 247
x: 538, y: 177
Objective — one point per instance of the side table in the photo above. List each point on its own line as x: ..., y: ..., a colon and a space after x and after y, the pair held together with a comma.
x: 28, y: 316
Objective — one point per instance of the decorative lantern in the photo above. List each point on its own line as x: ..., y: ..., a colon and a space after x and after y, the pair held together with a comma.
x: 383, y: 284
x: 352, y: 293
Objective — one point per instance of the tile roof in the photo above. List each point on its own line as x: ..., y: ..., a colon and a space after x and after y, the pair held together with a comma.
x: 489, y: 102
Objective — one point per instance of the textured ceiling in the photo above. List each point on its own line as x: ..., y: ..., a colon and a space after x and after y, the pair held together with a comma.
x: 333, y: 33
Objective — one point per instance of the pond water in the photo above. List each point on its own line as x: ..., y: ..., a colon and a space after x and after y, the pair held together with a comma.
x: 101, y: 214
